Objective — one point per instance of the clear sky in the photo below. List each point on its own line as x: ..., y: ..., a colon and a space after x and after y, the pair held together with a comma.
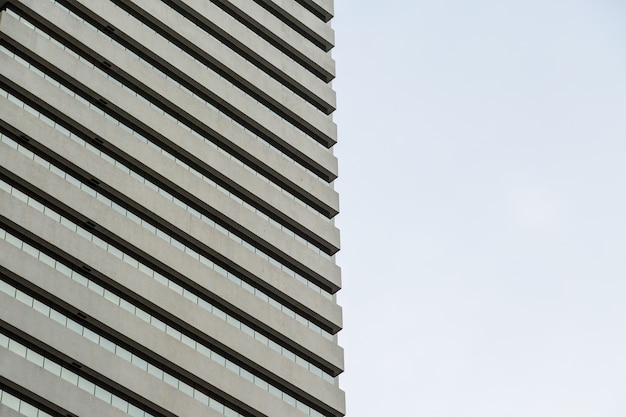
x: 483, y: 193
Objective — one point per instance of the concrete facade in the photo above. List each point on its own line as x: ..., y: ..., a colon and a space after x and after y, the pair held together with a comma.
x: 166, y: 209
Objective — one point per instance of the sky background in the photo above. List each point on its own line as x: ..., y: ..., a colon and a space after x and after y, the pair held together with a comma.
x: 483, y: 195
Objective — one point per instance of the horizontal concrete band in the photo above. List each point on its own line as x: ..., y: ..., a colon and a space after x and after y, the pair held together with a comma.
x: 111, y: 367
x: 321, y: 126
x: 256, y: 19
x: 314, y: 28
x: 136, y: 331
x: 311, y: 15
x: 240, y: 391
x: 307, y: 85
x: 124, y: 101
x: 118, y: 226
x: 149, y: 201
x: 253, y: 47
x: 65, y: 395
x: 242, y: 302
x: 292, y: 38
x: 183, y: 235
x: 131, y: 149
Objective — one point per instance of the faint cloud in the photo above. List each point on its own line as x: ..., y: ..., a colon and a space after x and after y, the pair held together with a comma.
x: 538, y: 209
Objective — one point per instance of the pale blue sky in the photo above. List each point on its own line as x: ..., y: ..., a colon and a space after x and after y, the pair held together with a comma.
x: 483, y: 184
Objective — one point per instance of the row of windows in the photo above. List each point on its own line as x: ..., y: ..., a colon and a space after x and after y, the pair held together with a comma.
x: 163, y: 235
x: 19, y: 405
x: 71, y: 377
x: 198, y: 300
x: 114, y: 348
x: 173, y: 120
x: 285, y: 20
x: 105, y: 156
x: 285, y: 60
x: 317, y: 11
x: 277, y: 120
x: 207, y: 220
x: 143, y: 364
x: 294, y: 23
x: 188, y: 129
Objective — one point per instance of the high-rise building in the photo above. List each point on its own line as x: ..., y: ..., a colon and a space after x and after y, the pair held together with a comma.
x: 166, y: 209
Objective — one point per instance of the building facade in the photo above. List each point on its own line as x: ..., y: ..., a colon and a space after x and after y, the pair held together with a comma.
x: 167, y: 242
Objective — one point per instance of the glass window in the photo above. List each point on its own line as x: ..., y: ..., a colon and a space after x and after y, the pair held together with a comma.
x: 219, y: 313
x: 114, y: 298
x: 145, y: 269
x: 58, y: 317
x: 188, y: 341
x: 160, y: 278
x: 52, y: 367
x: 142, y: 315
x: 140, y: 363
x: 28, y: 410
x: 95, y: 288
x: 170, y: 380
x: 246, y: 375
x: 24, y: 298
x: 67, y: 223
x: 86, y: 385
x: 232, y: 321
x: 10, y: 401
x: 102, y: 394
x: 17, y: 348
x: 4, y: 341
x: 13, y: 241
x: 200, y: 396
x: 127, y: 306
x: 175, y: 287
x: 258, y: 336
x: 185, y: 388
x: 82, y: 232
x: 158, y: 324
x: 118, y: 403
x: 203, y: 350
x: 135, y: 411
x: 131, y: 261
x: 247, y: 330
x: 302, y: 407
x: 232, y: 366
x: 35, y: 357
x: 123, y: 353
x: 78, y: 278
x: 153, y: 370
x: 216, y: 406
x: 7, y: 288
x: 173, y: 332
x: 47, y: 259
x: 30, y: 250
x: 63, y: 269
x: 75, y: 327
x: 264, y: 385
x: 275, y: 391
x: 69, y: 376
x: 115, y: 251
x: 190, y: 296
x: 108, y: 345
x: 289, y: 399
x: 230, y: 413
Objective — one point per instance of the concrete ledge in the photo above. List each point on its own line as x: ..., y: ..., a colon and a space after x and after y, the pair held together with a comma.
x: 49, y: 386
x: 242, y: 303
x: 269, y: 363
x: 239, y: 178
x: 133, y: 379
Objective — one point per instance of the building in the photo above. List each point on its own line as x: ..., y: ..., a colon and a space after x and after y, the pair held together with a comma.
x: 166, y: 208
